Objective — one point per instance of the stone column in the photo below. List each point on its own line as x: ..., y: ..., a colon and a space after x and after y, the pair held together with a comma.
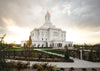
x: 81, y: 53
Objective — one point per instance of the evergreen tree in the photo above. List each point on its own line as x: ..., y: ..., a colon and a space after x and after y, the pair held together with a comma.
x: 3, y: 64
x: 91, y: 55
x: 67, y: 54
x: 29, y: 41
x: 30, y: 48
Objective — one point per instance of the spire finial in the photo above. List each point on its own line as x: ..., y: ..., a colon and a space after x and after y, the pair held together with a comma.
x: 48, y: 13
x: 47, y: 17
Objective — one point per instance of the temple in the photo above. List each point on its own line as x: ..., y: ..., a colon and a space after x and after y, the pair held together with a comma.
x: 48, y: 35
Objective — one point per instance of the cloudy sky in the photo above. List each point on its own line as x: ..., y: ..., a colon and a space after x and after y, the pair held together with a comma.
x: 79, y: 18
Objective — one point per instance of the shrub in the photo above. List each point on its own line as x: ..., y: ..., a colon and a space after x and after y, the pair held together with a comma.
x: 62, y: 69
x: 44, y: 67
x: 40, y: 68
x: 93, y: 69
x: 12, y: 63
x: 6, y: 67
x: 51, y: 68
x: 71, y: 69
x: 67, y: 54
x: 57, y: 70
x: 24, y: 65
x: 20, y: 65
x: 35, y: 66
x: 84, y: 69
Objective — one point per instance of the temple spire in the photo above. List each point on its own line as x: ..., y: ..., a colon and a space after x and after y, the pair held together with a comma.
x: 48, y: 13
x: 47, y: 17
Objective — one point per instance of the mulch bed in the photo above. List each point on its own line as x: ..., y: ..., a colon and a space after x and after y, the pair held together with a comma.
x: 66, y: 69
x: 80, y: 69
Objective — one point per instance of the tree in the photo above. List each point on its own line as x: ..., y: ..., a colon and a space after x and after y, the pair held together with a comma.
x: 67, y: 54
x: 3, y: 64
x: 14, y: 54
x: 91, y: 55
x: 25, y: 51
x: 30, y: 47
x: 40, y: 56
x: 29, y: 41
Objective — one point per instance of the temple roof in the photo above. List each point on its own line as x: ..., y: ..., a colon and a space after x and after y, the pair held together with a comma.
x: 47, y: 25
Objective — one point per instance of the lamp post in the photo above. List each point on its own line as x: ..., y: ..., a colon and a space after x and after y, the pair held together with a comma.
x: 81, y: 53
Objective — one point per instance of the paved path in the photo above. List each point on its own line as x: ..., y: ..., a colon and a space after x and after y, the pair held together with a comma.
x: 50, y: 52
x: 66, y: 64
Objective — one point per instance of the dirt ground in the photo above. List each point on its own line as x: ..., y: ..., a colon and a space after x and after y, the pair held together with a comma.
x: 80, y: 69
x: 66, y: 69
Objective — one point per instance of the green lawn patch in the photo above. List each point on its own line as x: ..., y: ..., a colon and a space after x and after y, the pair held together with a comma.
x: 12, y: 48
x: 36, y: 51
x: 21, y: 49
x: 58, y: 51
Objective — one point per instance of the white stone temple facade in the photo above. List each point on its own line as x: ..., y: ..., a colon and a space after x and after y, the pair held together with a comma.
x: 48, y: 35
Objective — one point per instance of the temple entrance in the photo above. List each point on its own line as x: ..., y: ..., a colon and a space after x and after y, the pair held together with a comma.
x: 59, y: 44
x: 46, y: 44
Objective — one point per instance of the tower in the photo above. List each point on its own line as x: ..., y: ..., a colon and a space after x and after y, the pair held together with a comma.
x: 47, y: 17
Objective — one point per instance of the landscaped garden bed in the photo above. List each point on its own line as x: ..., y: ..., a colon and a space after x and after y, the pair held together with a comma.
x: 36, y: 56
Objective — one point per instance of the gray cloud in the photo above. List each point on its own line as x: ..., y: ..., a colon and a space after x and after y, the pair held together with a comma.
x: 86, y: 12
x: 83, y: 14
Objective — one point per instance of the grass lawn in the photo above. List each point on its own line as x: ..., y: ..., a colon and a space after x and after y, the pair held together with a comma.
x: 58, y: 51
x: 36, y: 51
x: 12, y: 48
x: 21, y: 49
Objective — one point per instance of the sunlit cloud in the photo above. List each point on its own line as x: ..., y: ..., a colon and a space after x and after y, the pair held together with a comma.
x: 9, y: 22
x: 22, y: 33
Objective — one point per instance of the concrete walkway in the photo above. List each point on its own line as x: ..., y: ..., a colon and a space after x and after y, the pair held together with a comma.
x: 50, y: 52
